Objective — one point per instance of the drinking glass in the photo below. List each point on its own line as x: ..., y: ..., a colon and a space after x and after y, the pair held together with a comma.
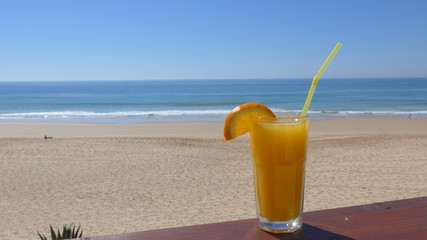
x: 279, y: 151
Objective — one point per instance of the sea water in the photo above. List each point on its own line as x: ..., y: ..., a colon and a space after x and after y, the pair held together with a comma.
x: 206, y: 100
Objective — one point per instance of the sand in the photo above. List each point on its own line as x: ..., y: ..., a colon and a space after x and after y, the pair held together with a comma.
x: 125, y: 178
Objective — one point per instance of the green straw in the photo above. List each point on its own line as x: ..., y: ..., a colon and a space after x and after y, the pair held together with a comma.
x: 317, y: 77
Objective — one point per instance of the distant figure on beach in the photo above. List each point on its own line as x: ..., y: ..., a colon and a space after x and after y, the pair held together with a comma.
x: 410, y: 116
x: 46, y: 137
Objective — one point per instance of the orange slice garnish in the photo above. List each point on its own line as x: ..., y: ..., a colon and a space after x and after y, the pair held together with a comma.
x: 239, y: 120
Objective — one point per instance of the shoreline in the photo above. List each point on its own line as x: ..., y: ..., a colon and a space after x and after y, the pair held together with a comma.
x: 349, y: 126
x: 211, y: 118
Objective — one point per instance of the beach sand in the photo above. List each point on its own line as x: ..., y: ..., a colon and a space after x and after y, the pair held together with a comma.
x: 125, y: 178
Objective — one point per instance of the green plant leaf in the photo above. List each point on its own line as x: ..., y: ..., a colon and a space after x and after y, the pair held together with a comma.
x: 76, y: 234
x: 52, y: 233
x: 59, y: 236
x: 42, y: 237
x: 73, y: 232
x: 64, y: 232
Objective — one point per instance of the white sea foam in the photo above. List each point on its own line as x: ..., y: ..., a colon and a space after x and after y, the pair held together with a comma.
x: 185, y: 113
x: 120, y: 114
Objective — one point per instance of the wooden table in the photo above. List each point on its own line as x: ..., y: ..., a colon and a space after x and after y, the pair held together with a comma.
x: 395, y: 220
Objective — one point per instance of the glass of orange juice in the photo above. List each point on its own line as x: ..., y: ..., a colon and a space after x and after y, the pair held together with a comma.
x: 279, y: 152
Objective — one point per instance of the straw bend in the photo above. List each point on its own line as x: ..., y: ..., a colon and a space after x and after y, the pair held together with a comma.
x: 317, y: 78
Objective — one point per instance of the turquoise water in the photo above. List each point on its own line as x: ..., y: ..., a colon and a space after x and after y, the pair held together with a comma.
x: 206, y: 100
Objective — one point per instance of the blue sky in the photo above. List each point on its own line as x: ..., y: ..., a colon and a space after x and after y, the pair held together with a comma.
x: 210, y: 39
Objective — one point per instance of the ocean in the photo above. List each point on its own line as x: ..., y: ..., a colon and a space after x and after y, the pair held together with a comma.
x: 206, y: 100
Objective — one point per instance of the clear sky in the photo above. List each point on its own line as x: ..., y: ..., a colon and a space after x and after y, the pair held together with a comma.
x: 210, y: 39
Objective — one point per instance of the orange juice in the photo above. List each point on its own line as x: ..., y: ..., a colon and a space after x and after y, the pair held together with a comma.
x: 279, y: 149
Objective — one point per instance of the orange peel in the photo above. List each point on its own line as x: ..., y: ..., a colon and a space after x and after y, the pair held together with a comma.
x: 239, y: 120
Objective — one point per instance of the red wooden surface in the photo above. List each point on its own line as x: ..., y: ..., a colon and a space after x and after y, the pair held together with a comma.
x: 402, y: 219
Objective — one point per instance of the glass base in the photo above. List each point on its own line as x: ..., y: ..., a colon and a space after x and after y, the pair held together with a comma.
x: 280, y: 227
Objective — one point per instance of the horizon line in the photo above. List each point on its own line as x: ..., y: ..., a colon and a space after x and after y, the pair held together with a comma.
x: 206, y: 79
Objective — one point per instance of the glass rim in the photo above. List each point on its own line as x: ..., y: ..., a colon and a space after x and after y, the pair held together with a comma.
x: 281, y: 120
x: 284, y: 116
